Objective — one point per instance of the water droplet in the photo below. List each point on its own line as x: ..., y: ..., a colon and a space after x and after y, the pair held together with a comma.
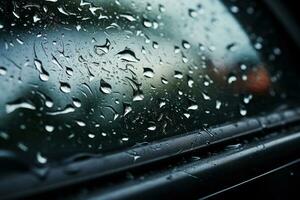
x: 218, y: 104
x: 148, y: 72
x: 11, y: 107
x: 147, y: 23
x: 247, y: 99
x: 243, y: 110
x: 176, y: 49
x: 164, y: 81
x: 49, y: 128
x: 91, y: 135
x: 186, y: 44
x: 105, y: 87
x: 234, y: 9
x: 40, y: 158
x: 127, y: 109
x: 80, y: 123
x: 4, y: 135
x: 65, y: 87
x: 36, y: 18
x: 129, y: 17
x: 258, y: 46
x: 178, y: 75
x: 155, y: 45
x: 161, y: 8
x: 232, y: 47
x: 231, y: 79
x: 67, y: 109
x: 162, y: 104
x: 102, y: 49
x: 152, y: 126
x: 138, y: 96
x: 44, y: 76
x: 76, y: 102
x: 193, y: 107
x: 190, y: 82
x: 128, y: 55
x: 2, y: 71
x: 192, y: 13
x: 205, y: 96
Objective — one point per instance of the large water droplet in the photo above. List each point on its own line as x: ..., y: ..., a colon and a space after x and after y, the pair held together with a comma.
x: 49, y: 128
x: 128, y: 55
x: 2, y: 71
x: 105, y: 87
x: 11, y: 107
x: 186, y: 44
x: 148, y: 72
x: 65, y: 87
x: 41, y: 159
x: 44, y: 76
x: 102, y: 49
x: 76, y: 102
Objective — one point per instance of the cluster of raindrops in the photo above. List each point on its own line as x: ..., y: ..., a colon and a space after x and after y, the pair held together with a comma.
x: 104, y: 74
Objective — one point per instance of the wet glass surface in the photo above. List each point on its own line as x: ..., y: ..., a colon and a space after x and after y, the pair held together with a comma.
x: 96, y: 76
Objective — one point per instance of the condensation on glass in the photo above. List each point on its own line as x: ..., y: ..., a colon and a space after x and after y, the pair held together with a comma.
x: 93, y: 76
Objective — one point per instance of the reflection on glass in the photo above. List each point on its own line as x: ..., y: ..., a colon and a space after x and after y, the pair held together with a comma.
x: 95, y: 76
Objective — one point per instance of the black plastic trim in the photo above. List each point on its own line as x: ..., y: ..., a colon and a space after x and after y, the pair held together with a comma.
x: 28, y: 183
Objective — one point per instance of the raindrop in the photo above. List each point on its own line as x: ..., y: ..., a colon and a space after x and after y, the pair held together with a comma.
x: 193, y: 107
x: 4, y: 135
x: 11, y: 107
x: 218, y: 104
x: 65, y: 87
x: 161, y: 8
x: 128, y: 17
x: 41, y: 159
x: 147, y: 23
x: 152, y: 126
x: 2, y: 71
x: 67, y: 109
x: 176, y: 49
x: 192, y: 13
x: 178, y: 75
x: 22, y: 146
x: 190, y: 82
x: 231, y: 47
x: 162, y: 104
x: 234, y: 9
x: 258, y: 46
x: 164, y: 81
x: 76, y: 102
x: 128, y: 55
x: 186, y: 44
x: 80, y: 123
x: 49, y: 128
x: 148, y: 72
x: 44, y: 76
x: 243, y: 110
x: 231, y: 79
x: 36, y: 18
x: 247, y: 99
x: 205, y: 96
x: 69, y: 71
x: 155, y: 45
x: 138, y: 96
x: 105, y: 87
x: 102, y: 49
x: 127, y: 109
